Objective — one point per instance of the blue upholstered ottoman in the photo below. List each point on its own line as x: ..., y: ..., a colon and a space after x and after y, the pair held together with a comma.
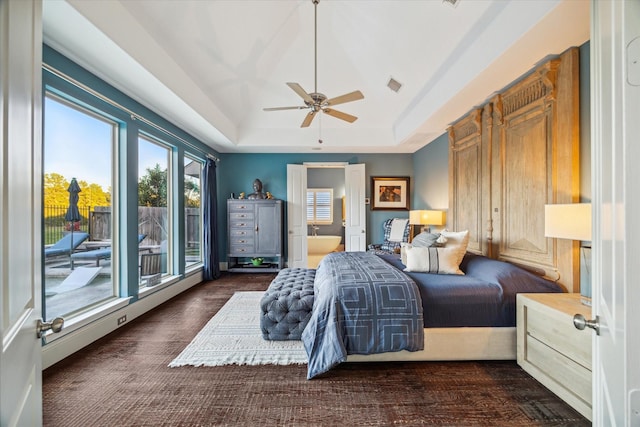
x: 287, y: 303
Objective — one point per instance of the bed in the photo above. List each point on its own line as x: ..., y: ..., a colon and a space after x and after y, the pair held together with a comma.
x: 508, y: 158
x: 468, y: 316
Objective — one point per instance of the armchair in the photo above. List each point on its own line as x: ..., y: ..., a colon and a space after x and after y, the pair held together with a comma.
x: 392, y: 241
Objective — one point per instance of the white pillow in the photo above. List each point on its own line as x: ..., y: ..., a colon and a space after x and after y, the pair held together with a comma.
x: 432, y: 260
x: 458, y: 240
x: 403, y: 251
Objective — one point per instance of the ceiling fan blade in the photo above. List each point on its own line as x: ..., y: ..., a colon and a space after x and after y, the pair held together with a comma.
x: 303, y: 94
x: 353, y: 96
x: 340, y: 115
x: 308, y: 118
x: 284, y: 108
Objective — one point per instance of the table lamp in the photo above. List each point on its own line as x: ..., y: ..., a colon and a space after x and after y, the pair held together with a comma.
x: 426, y: 218
x: 573, y: 222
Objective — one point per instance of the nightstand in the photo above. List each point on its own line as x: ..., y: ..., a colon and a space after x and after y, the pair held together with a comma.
x: 552, y: 350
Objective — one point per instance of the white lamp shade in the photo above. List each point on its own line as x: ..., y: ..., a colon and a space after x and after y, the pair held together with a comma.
x: 424, y: 217
x: 570, y: 221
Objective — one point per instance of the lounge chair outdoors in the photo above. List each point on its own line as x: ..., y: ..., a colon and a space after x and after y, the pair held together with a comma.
x: 97, y: 254
x: 65, y: 245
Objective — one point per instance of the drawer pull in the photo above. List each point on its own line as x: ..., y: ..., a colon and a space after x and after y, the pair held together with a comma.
x: 580, y: 322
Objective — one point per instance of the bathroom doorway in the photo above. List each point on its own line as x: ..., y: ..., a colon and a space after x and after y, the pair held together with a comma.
x: 354, y: 212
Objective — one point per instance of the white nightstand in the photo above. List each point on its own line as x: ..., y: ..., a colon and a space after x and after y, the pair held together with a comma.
x: 552, y: 350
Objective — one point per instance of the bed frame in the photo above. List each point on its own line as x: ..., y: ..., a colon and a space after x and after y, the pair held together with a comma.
x: 507, y: 159
x: 442, y: 344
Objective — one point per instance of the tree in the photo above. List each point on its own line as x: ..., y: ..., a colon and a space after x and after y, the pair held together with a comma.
x: 152, y: 188
x: 191, y: 192
x: 55, y: 190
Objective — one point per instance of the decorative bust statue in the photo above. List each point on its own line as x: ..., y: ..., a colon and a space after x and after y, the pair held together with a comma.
x: 257, y: 190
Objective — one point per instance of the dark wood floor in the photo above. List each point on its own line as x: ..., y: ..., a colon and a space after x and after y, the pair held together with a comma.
x: 123, y: 380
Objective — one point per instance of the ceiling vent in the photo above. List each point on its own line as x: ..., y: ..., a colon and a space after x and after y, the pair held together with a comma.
x: 394, y: 85
x: 452, y: 3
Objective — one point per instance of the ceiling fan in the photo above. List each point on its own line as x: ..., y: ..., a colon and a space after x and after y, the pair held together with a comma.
x: 315, y: 101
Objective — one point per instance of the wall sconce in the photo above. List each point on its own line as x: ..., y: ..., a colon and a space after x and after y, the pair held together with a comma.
x: 573, y: 222
x: 425, y: 218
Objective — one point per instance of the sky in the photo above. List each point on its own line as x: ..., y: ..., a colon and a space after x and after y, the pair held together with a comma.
x: 78, y: 145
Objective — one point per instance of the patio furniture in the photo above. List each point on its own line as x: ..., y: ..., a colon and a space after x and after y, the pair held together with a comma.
x: 96, y: 254
x: 66, y: 245
x: 150, y: 267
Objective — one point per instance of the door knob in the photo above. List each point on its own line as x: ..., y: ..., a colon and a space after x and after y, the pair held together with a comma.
x: 580, y: 322
x: 55, y: 326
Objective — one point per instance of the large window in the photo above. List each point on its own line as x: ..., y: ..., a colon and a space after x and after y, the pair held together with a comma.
x: 192, y: 211
x: 154, y: 208
x: 97, y: 198
x: 78, y: 147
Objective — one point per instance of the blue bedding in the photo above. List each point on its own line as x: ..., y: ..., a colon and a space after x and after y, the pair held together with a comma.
x: 362, y: 305
x: 484, y: 296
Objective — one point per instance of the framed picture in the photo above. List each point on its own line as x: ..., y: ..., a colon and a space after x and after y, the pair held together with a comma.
x: 390, y: 193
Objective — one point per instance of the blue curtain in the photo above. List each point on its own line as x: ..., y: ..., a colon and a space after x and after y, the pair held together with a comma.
x: 210, y: 220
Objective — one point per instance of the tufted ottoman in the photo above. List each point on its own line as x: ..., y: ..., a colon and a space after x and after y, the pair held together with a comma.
x: 287, y: 303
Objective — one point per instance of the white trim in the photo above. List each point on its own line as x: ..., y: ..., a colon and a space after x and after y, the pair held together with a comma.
x: 325, y: 164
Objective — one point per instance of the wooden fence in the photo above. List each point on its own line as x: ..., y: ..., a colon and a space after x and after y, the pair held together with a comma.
x: 96, y: 221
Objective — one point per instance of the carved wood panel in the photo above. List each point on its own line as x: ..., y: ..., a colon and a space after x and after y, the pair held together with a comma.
x: 523, y: 154
x: 465, y: 211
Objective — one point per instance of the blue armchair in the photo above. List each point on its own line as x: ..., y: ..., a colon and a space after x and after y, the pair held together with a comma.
x: 388, y: 245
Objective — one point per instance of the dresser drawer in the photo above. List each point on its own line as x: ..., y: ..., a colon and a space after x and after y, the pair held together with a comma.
x: 239, y: 232
x: 559, y: 333
x: 241, y: 216
x: 573, y: 377
x: 240, y: 207
x: 240, y: 250
x: 242, y: 240
x: 241, y: 224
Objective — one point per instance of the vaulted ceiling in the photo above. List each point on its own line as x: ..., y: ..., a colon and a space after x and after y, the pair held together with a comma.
x: 211, y: 66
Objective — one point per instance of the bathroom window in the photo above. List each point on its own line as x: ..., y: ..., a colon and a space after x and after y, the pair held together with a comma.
x: 320, y: 205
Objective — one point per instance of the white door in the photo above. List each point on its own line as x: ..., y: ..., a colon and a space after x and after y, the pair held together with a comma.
x: 615, y: 136
x: 355, y: 233
x: 20, y: 211
x: 297, y: 216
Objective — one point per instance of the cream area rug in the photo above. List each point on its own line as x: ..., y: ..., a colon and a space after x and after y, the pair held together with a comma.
x: 233, y: 337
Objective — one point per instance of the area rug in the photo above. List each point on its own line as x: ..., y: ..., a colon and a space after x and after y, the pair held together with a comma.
x: 233, y: 337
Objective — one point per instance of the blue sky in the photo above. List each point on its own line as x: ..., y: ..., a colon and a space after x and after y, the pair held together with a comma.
x: 79, y: 145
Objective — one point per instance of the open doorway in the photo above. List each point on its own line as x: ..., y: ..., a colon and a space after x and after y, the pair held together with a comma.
x: 354, y: 212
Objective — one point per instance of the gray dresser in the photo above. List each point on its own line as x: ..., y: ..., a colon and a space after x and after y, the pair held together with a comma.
x: 254, y: 231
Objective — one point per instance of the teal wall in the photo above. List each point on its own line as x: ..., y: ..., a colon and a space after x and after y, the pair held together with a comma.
x: 431, y: 170
x: 236, y: 173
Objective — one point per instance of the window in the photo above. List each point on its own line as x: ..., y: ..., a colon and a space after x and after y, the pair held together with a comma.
x: 154, y: 208
x: 78, y: 144
x: 192, y: 211
x: 123, y: 157
x: 320, y: 205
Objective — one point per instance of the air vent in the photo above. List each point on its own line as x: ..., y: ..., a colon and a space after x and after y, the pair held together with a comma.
x: 394, y: 85
x: 452, y: 3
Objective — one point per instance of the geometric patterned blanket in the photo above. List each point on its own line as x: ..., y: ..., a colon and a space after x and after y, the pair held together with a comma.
x: 362, y: 305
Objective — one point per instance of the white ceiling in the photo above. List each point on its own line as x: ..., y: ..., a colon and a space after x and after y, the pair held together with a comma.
x: 211, y: 67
